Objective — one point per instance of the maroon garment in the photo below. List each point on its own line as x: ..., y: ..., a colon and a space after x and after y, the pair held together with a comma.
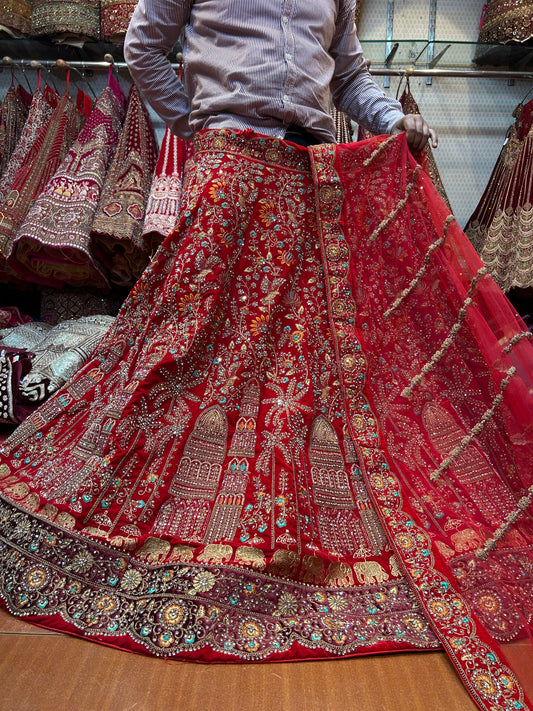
x: 52, y: 246
x: 116, y: 231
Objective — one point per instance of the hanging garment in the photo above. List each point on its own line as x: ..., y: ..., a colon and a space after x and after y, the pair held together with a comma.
x: 165, y: 192
x: 57, y: 352
x: 52, y: 246
x: 15, y: 17
x: 501, y: 226
x: 116, y: 231
x: 506, y: 21
x: 13, y: 114
x: 40, y: 112
x: 358, y: 10
x: 42, y: 160
x: 307, y: 434
x: 116, y: 17
x: 426, y: 158
x: 66, y: 19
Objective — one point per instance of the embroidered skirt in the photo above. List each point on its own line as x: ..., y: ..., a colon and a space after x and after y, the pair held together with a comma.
x: 307, y: 434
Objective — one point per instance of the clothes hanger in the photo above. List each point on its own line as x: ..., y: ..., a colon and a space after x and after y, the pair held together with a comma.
x: 35, y: 64
x: 87, y: 82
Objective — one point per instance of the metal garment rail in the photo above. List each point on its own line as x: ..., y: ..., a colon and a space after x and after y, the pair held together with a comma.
x: 376, y: 71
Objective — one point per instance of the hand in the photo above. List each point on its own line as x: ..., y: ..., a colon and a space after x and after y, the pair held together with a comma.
x: 417, y: 132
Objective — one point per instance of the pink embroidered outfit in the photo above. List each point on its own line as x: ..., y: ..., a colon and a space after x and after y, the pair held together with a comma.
x: 116, y: 230
x: 52, y: 246
x: 165, y: 192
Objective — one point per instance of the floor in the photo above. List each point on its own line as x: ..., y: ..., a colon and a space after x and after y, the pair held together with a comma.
x: 45, y: 671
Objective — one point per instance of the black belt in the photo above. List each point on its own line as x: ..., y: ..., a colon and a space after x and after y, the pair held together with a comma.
x: 300, y: 136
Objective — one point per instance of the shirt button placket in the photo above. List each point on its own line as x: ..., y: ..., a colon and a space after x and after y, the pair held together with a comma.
x: 285, y: 24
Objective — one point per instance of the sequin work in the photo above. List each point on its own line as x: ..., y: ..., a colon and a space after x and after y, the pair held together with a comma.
x: 236, y: 472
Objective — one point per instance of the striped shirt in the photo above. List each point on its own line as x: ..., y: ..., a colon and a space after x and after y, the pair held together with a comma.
x: 259, y: 64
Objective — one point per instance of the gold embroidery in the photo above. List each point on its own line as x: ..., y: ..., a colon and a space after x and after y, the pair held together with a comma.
x: 200, y: 468
x: 476, y: 430
x: 422, y: 271
x: 229, y: 503
x: 379, y: 150
x: 399, y: 207
x: 472, y: 469
x: 448, y: 341
x: 503, y: 529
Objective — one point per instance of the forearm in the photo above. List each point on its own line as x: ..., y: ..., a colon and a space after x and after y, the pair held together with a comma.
x: 355, y: 92
x: 153, y: 32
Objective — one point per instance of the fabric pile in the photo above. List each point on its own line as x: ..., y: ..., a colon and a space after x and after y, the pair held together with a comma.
x: 67, y: 20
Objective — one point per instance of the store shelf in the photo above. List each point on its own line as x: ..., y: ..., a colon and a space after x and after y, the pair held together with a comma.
x: 417, y: 56
x: 420, y: 53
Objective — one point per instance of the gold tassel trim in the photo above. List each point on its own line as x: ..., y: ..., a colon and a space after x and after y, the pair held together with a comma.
x: 477, y: 429
x: 448, y: 341
x: 523, y: 504
x: 399, y: 207
x: 516, y: 339
x: 383, y: 146
x: 423, y: 269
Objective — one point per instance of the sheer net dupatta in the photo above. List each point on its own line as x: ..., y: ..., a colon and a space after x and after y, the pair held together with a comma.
x: 448, y: 387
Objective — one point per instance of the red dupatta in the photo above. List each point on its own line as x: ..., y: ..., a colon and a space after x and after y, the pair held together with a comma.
x: 439, y: 405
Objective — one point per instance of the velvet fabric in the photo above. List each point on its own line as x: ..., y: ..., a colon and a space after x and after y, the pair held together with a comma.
x: 307, y: 434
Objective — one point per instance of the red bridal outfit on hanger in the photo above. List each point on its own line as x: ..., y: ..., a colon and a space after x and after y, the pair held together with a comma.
x: 166, y: 188
x: 117, y: 226
x: 42, y: 160
x: 42, y: 106
x: 13, y: 113
x: 52, y: 246
x: 308, y: 433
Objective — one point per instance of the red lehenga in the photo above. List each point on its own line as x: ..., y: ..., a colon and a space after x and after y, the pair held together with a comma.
x: 166, y: 189
x: 115, y: 235
x: 308, y: 433
x: 42, y: 106
x: 13, y: 114
x: 40, y: 164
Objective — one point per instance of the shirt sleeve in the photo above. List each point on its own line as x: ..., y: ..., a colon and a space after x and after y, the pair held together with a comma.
x: 353, y: 90
x: 153, y: 31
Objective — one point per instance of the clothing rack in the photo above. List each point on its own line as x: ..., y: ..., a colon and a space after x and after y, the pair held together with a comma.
x: 81, y: 66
